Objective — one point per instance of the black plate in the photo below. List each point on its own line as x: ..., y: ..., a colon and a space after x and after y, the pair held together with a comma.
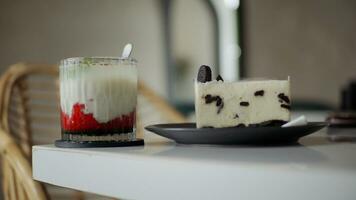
x: 187, y: 133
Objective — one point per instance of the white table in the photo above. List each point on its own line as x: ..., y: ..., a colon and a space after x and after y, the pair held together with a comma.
x: 316, y: 169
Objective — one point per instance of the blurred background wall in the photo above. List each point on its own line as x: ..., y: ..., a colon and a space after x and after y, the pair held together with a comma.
x: 43, y: 31
x: 46, y: 31
x: 313, y: 41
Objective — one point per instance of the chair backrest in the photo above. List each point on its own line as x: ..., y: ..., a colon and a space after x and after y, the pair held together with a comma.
x: 29, y: 104
x: 17, y: 174
x: 154, y: 109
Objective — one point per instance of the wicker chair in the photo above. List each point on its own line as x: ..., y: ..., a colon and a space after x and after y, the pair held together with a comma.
x: 29, y: 105
x: 17, y: 174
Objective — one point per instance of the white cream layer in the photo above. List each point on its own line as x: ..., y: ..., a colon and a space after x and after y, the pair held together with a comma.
x: 260, y: 109
x: 107, y: 92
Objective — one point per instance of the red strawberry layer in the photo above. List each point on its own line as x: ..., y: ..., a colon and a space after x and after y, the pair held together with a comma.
x: 79, y: 121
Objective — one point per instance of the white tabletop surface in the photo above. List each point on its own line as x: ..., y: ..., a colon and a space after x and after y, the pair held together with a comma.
x: 315, y: 169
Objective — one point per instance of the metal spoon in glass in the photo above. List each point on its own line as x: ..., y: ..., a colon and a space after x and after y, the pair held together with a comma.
x: 126, y: 52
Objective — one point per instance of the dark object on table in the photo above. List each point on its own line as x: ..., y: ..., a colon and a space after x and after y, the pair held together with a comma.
x: 342, y: 134
x: 348, y: 97
x: 342, y: 119
x: 342, y: 126
x: 187, y: 133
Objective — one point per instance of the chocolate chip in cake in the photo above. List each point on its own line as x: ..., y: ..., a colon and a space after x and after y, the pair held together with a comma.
x: 268, y: 123
x: 259, y: 93
x: 236, y: 116
x: 219, y: 78
x: 241, y: 126
x: 284, y: 97
x: 220, y: 107
x: 285, y: 106
x: 204, y: 74
x: 219, y: 101
x: 209, y: 98
x: 244, y: 103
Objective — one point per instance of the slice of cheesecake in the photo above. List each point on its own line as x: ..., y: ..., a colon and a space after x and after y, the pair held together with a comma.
x: 243, y: 103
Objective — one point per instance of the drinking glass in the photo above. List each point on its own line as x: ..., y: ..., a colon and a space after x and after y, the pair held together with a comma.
x: 98, y: 97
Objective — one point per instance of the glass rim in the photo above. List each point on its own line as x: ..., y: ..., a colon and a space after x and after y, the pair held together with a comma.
x: 103, y: 58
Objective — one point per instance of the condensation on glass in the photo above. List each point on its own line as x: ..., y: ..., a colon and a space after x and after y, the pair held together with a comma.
x: 98, y: 98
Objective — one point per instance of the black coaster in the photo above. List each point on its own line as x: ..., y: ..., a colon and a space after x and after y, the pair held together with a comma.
x: 72, y: 144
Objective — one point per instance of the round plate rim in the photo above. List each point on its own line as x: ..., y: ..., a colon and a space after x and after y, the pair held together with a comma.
x: 178, y: 128
x: 187, y: 133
